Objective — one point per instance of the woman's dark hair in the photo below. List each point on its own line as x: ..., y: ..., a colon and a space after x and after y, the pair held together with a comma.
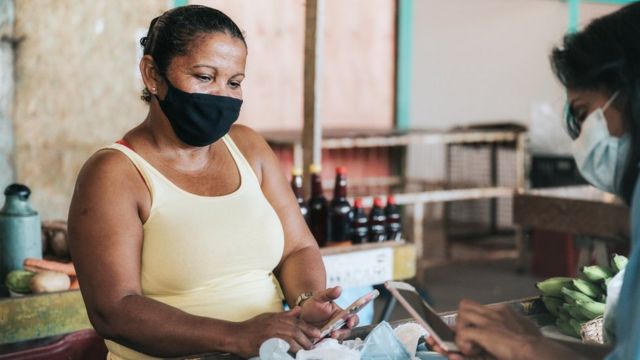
x: 172, y: 33
x: 605, y: 56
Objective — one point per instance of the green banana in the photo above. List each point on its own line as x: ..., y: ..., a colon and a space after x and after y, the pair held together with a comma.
x: 618, y: 262
x: 563, y: 314
x: 572, y: 295
x: 587, y: 288
x: 552, y: 286
x: 575, y: 312
x: 565, y: 328
x: 577, y: 326
x: 590, y: 310
x: 597, y: 272
x: 552, y: 304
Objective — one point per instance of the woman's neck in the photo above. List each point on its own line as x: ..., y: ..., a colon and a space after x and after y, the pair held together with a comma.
x: 168, y: 146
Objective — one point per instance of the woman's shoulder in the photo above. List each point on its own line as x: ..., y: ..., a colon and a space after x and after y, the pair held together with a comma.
x: 243, y: 135
x: 251, y: 144
x: 108, y: 168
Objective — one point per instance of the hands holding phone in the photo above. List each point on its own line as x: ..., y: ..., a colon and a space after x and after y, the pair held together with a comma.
x: 299, y: 327
x: 285, y: 325
x: 321, y: 308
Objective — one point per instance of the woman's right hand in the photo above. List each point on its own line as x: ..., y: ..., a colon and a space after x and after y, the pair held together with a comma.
x: 285, y: 325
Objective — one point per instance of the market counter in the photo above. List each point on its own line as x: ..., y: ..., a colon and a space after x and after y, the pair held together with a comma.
x: 40, y: 316
x: 533, y: 308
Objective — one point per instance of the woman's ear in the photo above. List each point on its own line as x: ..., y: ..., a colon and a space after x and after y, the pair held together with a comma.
x: 150, y: 74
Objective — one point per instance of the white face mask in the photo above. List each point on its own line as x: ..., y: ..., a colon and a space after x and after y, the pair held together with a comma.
x: 600, y: 157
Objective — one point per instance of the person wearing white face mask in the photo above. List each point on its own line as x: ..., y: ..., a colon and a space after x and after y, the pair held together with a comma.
x: 600, y: 155
x: 600, y: 68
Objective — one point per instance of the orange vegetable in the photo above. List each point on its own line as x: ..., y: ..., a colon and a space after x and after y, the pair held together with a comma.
x: 74, y: 283
x: 41, y: 264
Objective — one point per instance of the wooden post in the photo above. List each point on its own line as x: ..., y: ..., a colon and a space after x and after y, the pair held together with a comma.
x: 312, y: 125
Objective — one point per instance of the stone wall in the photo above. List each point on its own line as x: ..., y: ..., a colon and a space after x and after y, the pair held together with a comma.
x: 77, y: 88
x: 7, y: 79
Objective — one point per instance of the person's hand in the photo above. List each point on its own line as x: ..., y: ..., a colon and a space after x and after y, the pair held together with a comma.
x: 496, y: 332
x: 320, y: 308
x: 286, y: 325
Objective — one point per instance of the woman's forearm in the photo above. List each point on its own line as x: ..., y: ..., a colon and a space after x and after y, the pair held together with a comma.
x: 549, y: 348
x: 302, y: 271
x: 587, y: 351
x: 157, y: 329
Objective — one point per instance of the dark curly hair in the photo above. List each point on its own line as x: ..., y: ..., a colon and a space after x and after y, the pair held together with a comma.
x: 172, y: 33
x: 605, y: 56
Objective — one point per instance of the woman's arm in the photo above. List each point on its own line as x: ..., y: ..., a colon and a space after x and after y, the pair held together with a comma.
x: 505, y: 334
x: 301, y: 268
x: 105, y: 233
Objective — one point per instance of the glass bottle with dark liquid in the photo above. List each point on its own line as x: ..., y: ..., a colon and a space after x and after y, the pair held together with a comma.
x: 377, y: 222
x: 392, y: 213
x: 296, y: 186
x: 341, y: 213
x: 360, y: 227
x: 318, y: 207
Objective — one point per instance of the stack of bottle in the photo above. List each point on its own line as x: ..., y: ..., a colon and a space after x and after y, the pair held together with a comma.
x: 338, y: 221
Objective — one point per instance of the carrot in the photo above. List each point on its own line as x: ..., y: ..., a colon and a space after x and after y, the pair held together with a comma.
x: 33, y: 269
x: 74, y: 283
x: 66, y: 268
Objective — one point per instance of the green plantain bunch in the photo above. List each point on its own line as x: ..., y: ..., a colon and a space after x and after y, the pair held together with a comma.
x: 576, y: 301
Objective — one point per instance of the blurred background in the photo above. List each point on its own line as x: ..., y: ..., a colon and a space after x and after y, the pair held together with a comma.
x: 450, y: 105
x: 69, y: 81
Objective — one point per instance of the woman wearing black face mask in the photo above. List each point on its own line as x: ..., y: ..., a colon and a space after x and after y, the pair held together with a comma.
x: 185, y: 234
x: 600, y: 68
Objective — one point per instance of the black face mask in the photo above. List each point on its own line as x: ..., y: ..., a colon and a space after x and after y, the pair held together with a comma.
x: 199, y: 119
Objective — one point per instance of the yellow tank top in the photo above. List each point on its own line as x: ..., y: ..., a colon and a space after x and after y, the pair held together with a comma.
x: 208, y: 256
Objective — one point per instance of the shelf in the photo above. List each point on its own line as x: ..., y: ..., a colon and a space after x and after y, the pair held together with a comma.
x: 361, y: 138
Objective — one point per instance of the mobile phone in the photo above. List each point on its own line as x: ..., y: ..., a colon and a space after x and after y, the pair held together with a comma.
x: 425, y: 315
x: 339, y: 320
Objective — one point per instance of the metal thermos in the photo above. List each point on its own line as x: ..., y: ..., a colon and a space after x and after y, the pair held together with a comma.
x: 20, y: 233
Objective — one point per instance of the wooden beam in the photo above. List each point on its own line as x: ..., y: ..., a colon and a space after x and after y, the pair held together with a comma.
x: 404, y: 54
x: 312, y: 126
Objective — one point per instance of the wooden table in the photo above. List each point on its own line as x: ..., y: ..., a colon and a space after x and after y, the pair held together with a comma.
x: 578, y: 210
x: 39, y: 316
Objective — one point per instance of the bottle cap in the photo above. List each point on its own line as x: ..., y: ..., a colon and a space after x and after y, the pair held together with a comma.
x: 377, y: 202
x: 357, y: 202
x: 19, y: 190
x: 391, y: 200
x: 315, y: 168
x: 341, y: 170
x: 296, y: 171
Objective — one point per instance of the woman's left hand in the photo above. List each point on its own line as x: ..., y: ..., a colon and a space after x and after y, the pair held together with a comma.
x: 321, y: 308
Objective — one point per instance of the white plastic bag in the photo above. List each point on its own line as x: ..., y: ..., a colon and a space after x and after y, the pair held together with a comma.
x: 382, y: 343
x: 409, y: 334
x: 329, y: 349
x: 274, y: 349
x: 613, y: 293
